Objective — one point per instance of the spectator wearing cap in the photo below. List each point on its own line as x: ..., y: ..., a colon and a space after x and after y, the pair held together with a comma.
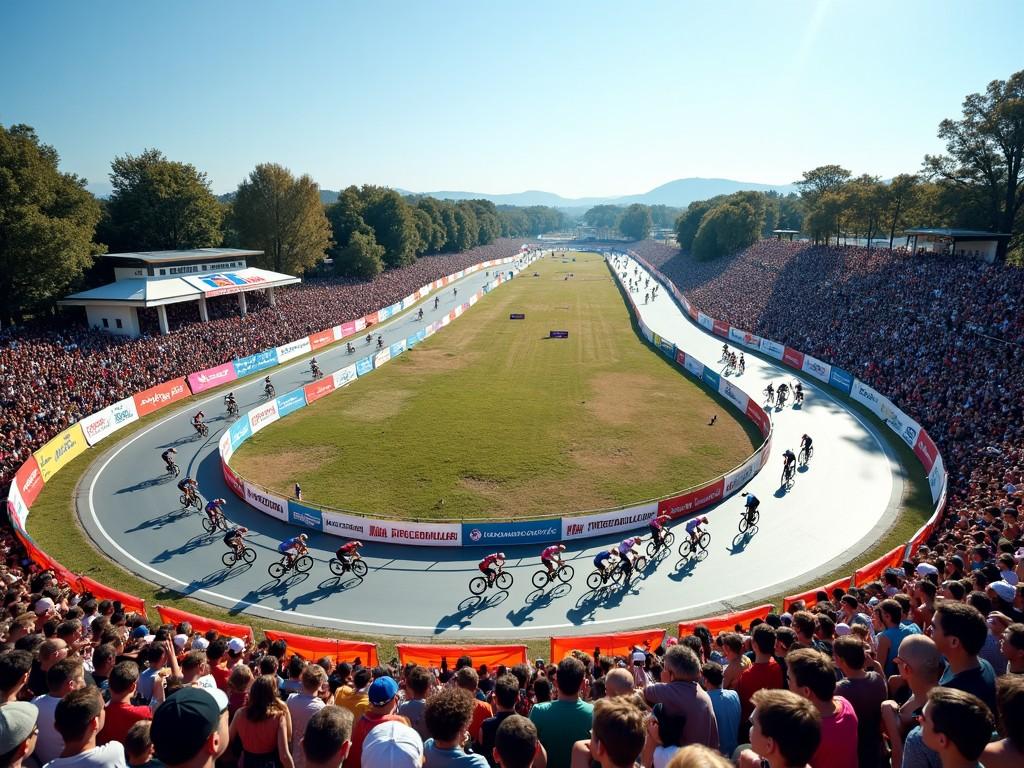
x: 957, y: 726
x: 866, y: 691
x: 392, y: 745
x: 263, y: 726
x: 383, y: 697
x: 121, y: 714
x: 959, y: 633
x: 811, y: 674
x: 682, y: 696
x: 1003, y: 594
x: 726, y: 704
x: 79, y: 719
x: 190, y: 729
x: 326, y: 739
x: 303, y: 705
x: 506, y: 692
x: 567, y: 719
x: 65, y: 676
x: 18, y: 732
x: 417, y: 684
x: 516, y: 744
x: 468, y: 679
x: 449, y: 713
x: 354, y: 697
x: 785, y: 731
x: 1009, y: 751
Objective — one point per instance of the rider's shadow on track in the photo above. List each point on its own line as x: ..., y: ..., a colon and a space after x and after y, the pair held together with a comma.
x: 607, y: 596
x: 219, y: 576
x: 158, y: 522
x: 326, y: 588
x: 140, y: 486
x: 686, y: 568
x: 535, y: 601
x: 469, y: 608
x: 180, y: 441
x: 741, y: 540
x: 199, y: 540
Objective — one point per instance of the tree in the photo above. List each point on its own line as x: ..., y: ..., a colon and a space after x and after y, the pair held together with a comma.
x: 900, y: 197
x: 393, y: 224
x: 47, y: 221
x: 467, y: 230
x: 636, y: 222
x: 663, y: 215
x: 986, y: 151
x: 438, y: 231
x: 362, y: 257
x: 603, y: 216
x: 158, y: 204
x: 728, y: 227
x: 689, y: 222
x: 281, y: 215
x: 824, y: 178
x: 865, y: 199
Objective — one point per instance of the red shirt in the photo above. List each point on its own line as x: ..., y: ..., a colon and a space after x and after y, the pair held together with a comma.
x: 481, y: 711
x: 363, y: 726
x: 221, y: 673
x: 753, y: 679
x: 838, y: 747
x: 120, y: 717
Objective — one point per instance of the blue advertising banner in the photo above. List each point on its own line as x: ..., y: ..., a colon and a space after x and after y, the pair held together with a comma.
x: 394, y: 309
x: 710, y: 378
x: 415, y: 339
x: 239, y: 432
x: 383, y: 314
x: 300, y: 514
x: 668, y: 349
x: 246, y: 365
x: 841, y: 380
x: 396, y: 349
x: 291, y: 402
x: 364, y: 366
x: 528, y: 532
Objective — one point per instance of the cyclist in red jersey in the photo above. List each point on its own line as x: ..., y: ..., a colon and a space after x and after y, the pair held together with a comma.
x: 552, y: 558
x: 348, y: 552
x: 487, y: 566
x: 657, y: 526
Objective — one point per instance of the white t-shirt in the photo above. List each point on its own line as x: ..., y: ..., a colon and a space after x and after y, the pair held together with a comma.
x: 662, y: 755
x: 302, y: 707
x: 110, y: 755
x: 49, y: 744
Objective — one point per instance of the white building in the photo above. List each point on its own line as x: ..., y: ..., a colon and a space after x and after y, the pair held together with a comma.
x: 158, y: 278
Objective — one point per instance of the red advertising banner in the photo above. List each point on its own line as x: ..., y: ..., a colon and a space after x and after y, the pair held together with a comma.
x: 203, y: 624
x: 100, y: 592
x: 29, y: 481
x: 234, y: 482
x: 371, y: 318
x: 720, y: 329
x: 810, y: 596
x: 44, y: 561
x: 680, y: 357
x: 318, y: 389
x: 793, y: 357
x: 429, y: 655
x: 924, y: 449
x: 155, y: 398
x: 726, y: 621
x: 757, y: 415
x: 322, y: 339
x: 692, y: 501
x: 874, y: 570
x: 618, y: 644
x: 314, y: 648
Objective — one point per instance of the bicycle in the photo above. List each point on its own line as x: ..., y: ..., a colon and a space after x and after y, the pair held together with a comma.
x: 563, y: 573
x: 619, y: 574
x: 688, y: 547
x: 218, y: 524
x: 300, y: 564
x: 478, y: 584
x: 202, y: 428
x: 190, y: 500
x: 233, y: 556
x: 339, y: 568
x: 805, y: 455
x: 667, y: 540
x: 598, y: 578
x: 780, y: 401
x: 269, y: 392
x: 749, y: 521
x: 232, y: 410
x: 173, y: 470
x: 787, y: 476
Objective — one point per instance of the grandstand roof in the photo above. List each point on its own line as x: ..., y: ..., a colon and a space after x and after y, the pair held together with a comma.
x: 195, y: 254
x: 979, y: 234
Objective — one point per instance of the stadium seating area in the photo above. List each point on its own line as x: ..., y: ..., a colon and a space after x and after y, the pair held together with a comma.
x: 943, y: 338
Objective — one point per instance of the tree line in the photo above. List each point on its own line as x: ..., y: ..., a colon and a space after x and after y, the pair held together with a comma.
x: 633, y: 221
x: 52, y: 228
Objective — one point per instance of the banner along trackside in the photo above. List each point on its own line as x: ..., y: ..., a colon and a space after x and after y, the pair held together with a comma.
x: 60, y: 451
x: 212, y: 377
x: 155, y: 398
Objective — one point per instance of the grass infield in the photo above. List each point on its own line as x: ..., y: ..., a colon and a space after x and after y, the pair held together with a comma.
x: 490, y: 418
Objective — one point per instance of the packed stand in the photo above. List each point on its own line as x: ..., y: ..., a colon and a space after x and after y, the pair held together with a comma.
x: 56, y: 372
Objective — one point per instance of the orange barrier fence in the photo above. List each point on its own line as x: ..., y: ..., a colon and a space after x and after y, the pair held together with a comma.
x: 810, y: 597
x: 203, y: 624
x: 726, y: 622
x: 492, y: 655
x: 618, y: 644
x: 874, y: 570
x: 101, y: 592
x: 313, y: 648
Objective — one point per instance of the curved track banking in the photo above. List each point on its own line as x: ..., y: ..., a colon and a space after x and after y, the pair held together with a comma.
x: 837, y: 508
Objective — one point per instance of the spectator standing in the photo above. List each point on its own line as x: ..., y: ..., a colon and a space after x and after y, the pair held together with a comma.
x: 64, y: 677
x: 383, y: 697
x: 567, y: 719
x: 79, y: 719
x: 353, y: 697
x: 811, y: 674
x: 889, y: 615
x: 18, y: 732
x: 683, y: 697
x: 15, y: 666
x: 1012, y: 647
x: 121, y: 714
x: 417, y: 684
x: 865, y: 691
x: 468, y: 679
x: 190, y: 729
x: 392, y: 745
x: 957, y: 726
x: 618, y: 734
x: 785, y: 731
x: 326, y: 740
x: 302, y: 706
x: 516, y: 744
x: 506, y: 691
x: 726, y: 705
x: 959, y: 632
x: 765, y: 672
x: 263, y: 726
x: 1009, y: 751
x: 449, y: 713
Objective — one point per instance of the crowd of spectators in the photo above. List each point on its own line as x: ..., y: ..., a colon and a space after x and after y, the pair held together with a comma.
x: 54, y: 372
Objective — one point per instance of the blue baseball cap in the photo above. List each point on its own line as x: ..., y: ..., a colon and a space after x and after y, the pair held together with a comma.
x: 382, y: 690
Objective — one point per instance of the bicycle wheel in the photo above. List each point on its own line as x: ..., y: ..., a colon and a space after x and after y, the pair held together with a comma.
x: 565, y: 573
x: 540, y: 578
x: 228, y: 558
x: 276, y: 570
x: 652, y: 548
x: 477, y: 585
x: 336, y: 566
x: 208, y: 525
x: 705, y: 540
x: 359, y: 568
x: 504, y: 580
x: 304, y: 563
x: 670, y: 539
x: 640, y: 564
x: 745, y: 523
x: 686, y: 548
x: 802, y: 458
x: 249, y: 555
x: 594, y: 580
x: 184, y: 502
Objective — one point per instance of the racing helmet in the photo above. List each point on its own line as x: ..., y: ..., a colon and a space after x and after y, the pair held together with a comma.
x: 501, y: 555
x: 220, y: 501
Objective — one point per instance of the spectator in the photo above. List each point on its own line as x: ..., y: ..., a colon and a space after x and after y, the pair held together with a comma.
x: 263, y: 726
x: 920, y: 665
x: 302, y: 706
x: 325, y: 742
x: 64, y: 677
x: 568, y: 719
x: 468, y: 679
x: 865, y: 691
x: 682, y: 697
x: 663, y: 738
x: 1008, y: 752
x: 516, y: 744
x: 618, y: 682
x: 449, y: 713
x: 353, y: 697
x: 392, y: 745
x: 14, y: 670
x: 417, y: 684
x: 618, y: 735
x: 1012, y: 647
x: 506, y: 691
x: 121, y: 714
x: 190, y: 729
x: 79, y: 719
x: 889, y: 615
x: 959, y: 633
x: 726, y: 705
x: 18, y: 733
x: 785, y: 731
x: 811, y: 674
x: 957, y: 725
x: 697, y: 756
x: 383, y: 697
x: 138, y: 746
x: 736, y: 662
x: 765, y: 672
x: 239, y: 683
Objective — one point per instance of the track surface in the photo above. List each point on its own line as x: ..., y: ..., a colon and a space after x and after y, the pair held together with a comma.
x: 837, y: 508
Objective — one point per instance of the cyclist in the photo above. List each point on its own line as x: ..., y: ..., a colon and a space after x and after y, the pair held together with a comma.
x: 657, y: 526
x: 693, y: 528
x: 725, y: 351
x: 268, y: 388
x: 436, y: 299
x: 788, y: 460
x: 348, y: 552
x: 551, y: 557
x: 798, y: 392
x: 487, y: 566
x: 626, y: 548
x: 189, y: 487
x: 168, y: 457
x: 349, y: 349
x: 369, y: 338
x: 602, y: 560
x: 380, y: 342
x: 293, y: 547
x: 419, y: 315
x: 314, y: 367
x: 805, y: 444
x: 743, y: 363
x: 455, y: 292
x: 233, y: 538
x: 214, y: 510
x: 783, y: 389
x: 230, y: 402
x: 197, y: 422
x: 750, y: 506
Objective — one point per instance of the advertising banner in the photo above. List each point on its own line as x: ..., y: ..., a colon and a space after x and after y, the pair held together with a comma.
x: 758, y: 415
x: 705, y: 321
x: 668, y: 349
x: 416, y: 338
x: 733, y: 394
x: 293, y: 349
x: 345, y: 376
x: 360, y: 324
x: 411, y: 299
x: 211, y: 377
x: 866, y: 396
x: 457, y: 312
x: 711, y: 378
x: 694, y: 366
x: 900, y: 423
x: 430, y: 655
x: 726, y: 622
x: 262, y: 415
x: 349, y: 328
x: 793, y: 357
x: 266, y: 502
x: 937, y: 478
x: 338, y: 524
x: 155, y: 398
x: 253, y: 363
x: 616, y: 520
x: 820, y: 370
x: 772, y: 348
x: 224, y: 446
x: 364, y: 366
x: 656, y: 340
x: 290, y: 402
x: 384, y: 314
x: 109, y: 420
x: 618, y: 644
x: 239, y: 432
x: 318, y: 389
x: 719, y: 328
x: 647, y: 332
x: 301, y: 514
x: 60, y: 451
x: 740, y: 477
x: 336, y: 331
x: 687, y: 503
x: 745, y: 338
x: 494, y: 534
x: 322, y: 339
x: 370, y: 319
x: 310, y: 648
x: 397, y: 348
x: 925, y: 450
x: 16, y: 508
x: 381, y: 357
x: 841, y: 380
x: 420, y: 534
x: 201, y: 624
x: 29, y: 481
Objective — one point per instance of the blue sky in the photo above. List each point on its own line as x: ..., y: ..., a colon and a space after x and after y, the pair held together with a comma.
x: 578, y: 98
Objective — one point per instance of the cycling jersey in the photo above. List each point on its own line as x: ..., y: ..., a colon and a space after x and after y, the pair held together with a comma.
x: 807, y: 442
x: 752, y: 500
x: 601, y: 558
x: 789, y: 456
x: 348, y: 548
x: 626, y: 546
x: 212, y: 508
x: 167, y: 456
x: 232, y: 536
x: 185, y: 485
x: 550, y: 553
x: 657, y: 523
x: 693, y: 525
x: 489, y: 561
x: 292, y: 543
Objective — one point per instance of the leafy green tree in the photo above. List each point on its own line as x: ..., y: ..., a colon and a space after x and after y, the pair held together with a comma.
x: 488, y: 222
x: 362, y: 257
x: 727, y: 228
x: 824, y: 178
x: 438, y: 230
x: 514, y: 221
x: 603, y: 216
x: 393, y: 224
x: 865, y: 201
x: 900, y: 196
x: 985, y: 151
x: 790, y: 212
x: 47, y: 221
x: 688, y: 222
x: 345, y: 217
x: 467, y: 228
x: 158, y: 204
x: 636, y: 222
x: 663, y: 215
x: 281, y: 215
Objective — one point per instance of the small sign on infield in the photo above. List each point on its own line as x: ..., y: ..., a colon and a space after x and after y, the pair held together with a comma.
x: 517, y: 316
x: 558, y: 334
